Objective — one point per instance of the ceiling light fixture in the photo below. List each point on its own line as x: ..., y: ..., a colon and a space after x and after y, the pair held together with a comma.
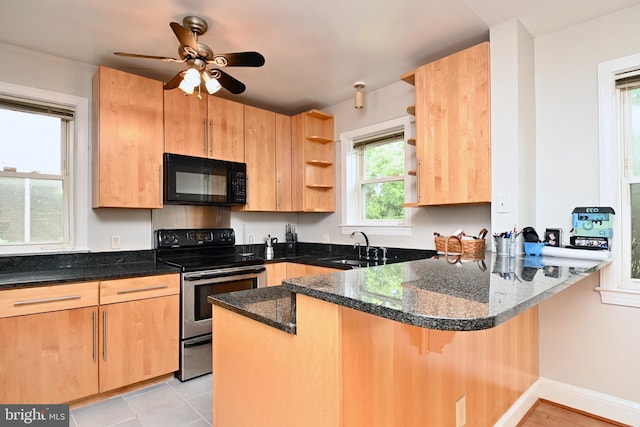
x: 359, y: 99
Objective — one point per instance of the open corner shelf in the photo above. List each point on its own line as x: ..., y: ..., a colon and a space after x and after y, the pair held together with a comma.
x: 411, y: 172
x: 320, y: 139
x: 411, y: 141
x: 411, y: 109
x: 319, y: 114
x: 409, y: 78
x: 321, y: 163
x: 410, y: 205
x: 320, y: 186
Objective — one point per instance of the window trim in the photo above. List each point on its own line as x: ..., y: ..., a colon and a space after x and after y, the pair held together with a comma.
x: 348, y: 138
x: 611, y: 287
x: 77, y: 164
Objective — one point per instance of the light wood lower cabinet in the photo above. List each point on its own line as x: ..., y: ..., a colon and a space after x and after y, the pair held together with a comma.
x: 138, y: 340
x: 49, y: 357
x: 57, y: 344
x: 277, y: 272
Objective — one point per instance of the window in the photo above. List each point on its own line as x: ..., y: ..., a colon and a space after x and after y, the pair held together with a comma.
x: 619, y: 98
x: 44, y: 135
x: 374, y: 177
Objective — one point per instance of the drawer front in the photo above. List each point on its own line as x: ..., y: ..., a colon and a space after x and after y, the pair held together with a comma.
x: 112, y: 291
x: 42, y: 299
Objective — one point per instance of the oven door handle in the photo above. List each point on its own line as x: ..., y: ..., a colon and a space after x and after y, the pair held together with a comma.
x: 226, y: 272
x: 198, y: 342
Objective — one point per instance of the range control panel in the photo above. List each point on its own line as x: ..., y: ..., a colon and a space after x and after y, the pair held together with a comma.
x: 182, y: 238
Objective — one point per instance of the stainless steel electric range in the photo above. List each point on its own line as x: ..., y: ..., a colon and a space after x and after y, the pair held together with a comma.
x: 209, y: 265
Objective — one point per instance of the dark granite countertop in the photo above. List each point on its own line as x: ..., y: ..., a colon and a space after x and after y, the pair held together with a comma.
x: 41, y: 270
x: 434, y: 293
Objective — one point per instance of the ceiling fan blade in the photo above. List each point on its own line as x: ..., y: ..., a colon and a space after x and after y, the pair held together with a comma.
x: 229, y: 83
x: 174, y: 82
x: 161, y: 58
x: 185, y: 36
x: 239, y: 59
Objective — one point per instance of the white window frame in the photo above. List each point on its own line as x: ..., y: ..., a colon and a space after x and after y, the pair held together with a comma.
x: 77, y: 165
x: 350, y: 222
x: 612, y: 288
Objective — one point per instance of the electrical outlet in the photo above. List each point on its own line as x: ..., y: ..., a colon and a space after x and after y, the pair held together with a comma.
x: 502, y: 204
x: 115, y: 241
x: 325, y: 238
x: 461, y: 412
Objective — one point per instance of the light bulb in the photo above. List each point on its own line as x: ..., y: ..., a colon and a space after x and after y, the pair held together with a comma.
x: 186, y: 87
x: 212, y: 85
x: 192, y: 77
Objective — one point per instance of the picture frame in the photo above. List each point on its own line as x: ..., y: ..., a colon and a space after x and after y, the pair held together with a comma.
x: 553, y: 237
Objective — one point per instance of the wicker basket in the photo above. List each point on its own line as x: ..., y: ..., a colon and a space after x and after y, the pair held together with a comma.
x: 467, y: 248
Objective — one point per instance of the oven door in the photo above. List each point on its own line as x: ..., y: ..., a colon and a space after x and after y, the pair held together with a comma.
x: 197, y: 286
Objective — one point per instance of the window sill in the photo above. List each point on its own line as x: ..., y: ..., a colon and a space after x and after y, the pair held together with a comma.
x: 378, y: 230
x: 618, y: 296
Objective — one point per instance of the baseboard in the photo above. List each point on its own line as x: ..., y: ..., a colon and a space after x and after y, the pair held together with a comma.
x: 600, y: 404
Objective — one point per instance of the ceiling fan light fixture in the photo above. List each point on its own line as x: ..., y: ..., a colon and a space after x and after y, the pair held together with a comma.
x: 359, y: 98
x: 212, y: 85
x: 186, y: 87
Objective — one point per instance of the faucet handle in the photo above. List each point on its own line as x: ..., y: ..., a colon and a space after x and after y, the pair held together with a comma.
x: 384, y: 253
x: 375, y: 253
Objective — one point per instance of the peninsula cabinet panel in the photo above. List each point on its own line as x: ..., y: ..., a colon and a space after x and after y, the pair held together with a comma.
x: 128, y: 140
x: 453, y: 146
x: 260, y: 157
x: 138, y: 340
x: 48, y: 357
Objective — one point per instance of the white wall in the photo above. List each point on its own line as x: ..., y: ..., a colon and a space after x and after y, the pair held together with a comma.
x: 582, y: 341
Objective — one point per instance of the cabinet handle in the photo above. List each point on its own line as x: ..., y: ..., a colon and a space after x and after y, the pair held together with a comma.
x: 161, y: 185
x: 205, y: 141
x: 211, y: 140
x: 150, y: 288
x: 104, y: 335
x: 45, y: 300
x: 278, y: 195
x: 418, y: 180
x: 95, y: 336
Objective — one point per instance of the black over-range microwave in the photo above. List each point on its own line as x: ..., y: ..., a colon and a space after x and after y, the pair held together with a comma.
x: 199, y: 181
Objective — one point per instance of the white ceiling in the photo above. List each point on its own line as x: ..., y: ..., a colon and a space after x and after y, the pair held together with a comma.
x: 314, y: 50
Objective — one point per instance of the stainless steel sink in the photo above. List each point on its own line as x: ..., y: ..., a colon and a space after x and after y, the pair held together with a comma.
x: 346, y: 261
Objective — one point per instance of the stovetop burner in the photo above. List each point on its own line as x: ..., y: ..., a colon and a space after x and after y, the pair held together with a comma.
x: 200, y: 249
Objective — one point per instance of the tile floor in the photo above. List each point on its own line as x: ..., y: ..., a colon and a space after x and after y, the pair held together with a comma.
x: 171, y: 403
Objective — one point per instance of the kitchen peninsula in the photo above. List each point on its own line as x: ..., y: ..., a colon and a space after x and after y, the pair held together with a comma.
x: 417, y: 343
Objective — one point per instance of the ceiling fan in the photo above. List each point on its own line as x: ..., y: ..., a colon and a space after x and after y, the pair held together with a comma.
x: 198, y: 56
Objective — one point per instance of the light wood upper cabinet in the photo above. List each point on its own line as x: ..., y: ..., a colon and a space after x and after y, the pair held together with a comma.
x: 312, y: 162
x: 128, y: 140
x: 185, y: 124
x: 283, y: 163
x: 226, y: 129
x: 453, y: 140
x: 260, y: 156
x: 212, y: 127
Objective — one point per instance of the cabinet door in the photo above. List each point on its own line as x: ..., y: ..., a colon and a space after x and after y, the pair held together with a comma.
x: 226, y: 129
x: 128, y: 140
x: 453, y: 146
x: 185, y: 124
x: 138, y: 340
x: 49, y: 357
x: 276, y: 273
x: 260, y: 158
x: 283, y: 163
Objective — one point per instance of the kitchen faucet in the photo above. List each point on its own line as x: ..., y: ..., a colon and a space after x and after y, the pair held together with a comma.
x: 366, y: 240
